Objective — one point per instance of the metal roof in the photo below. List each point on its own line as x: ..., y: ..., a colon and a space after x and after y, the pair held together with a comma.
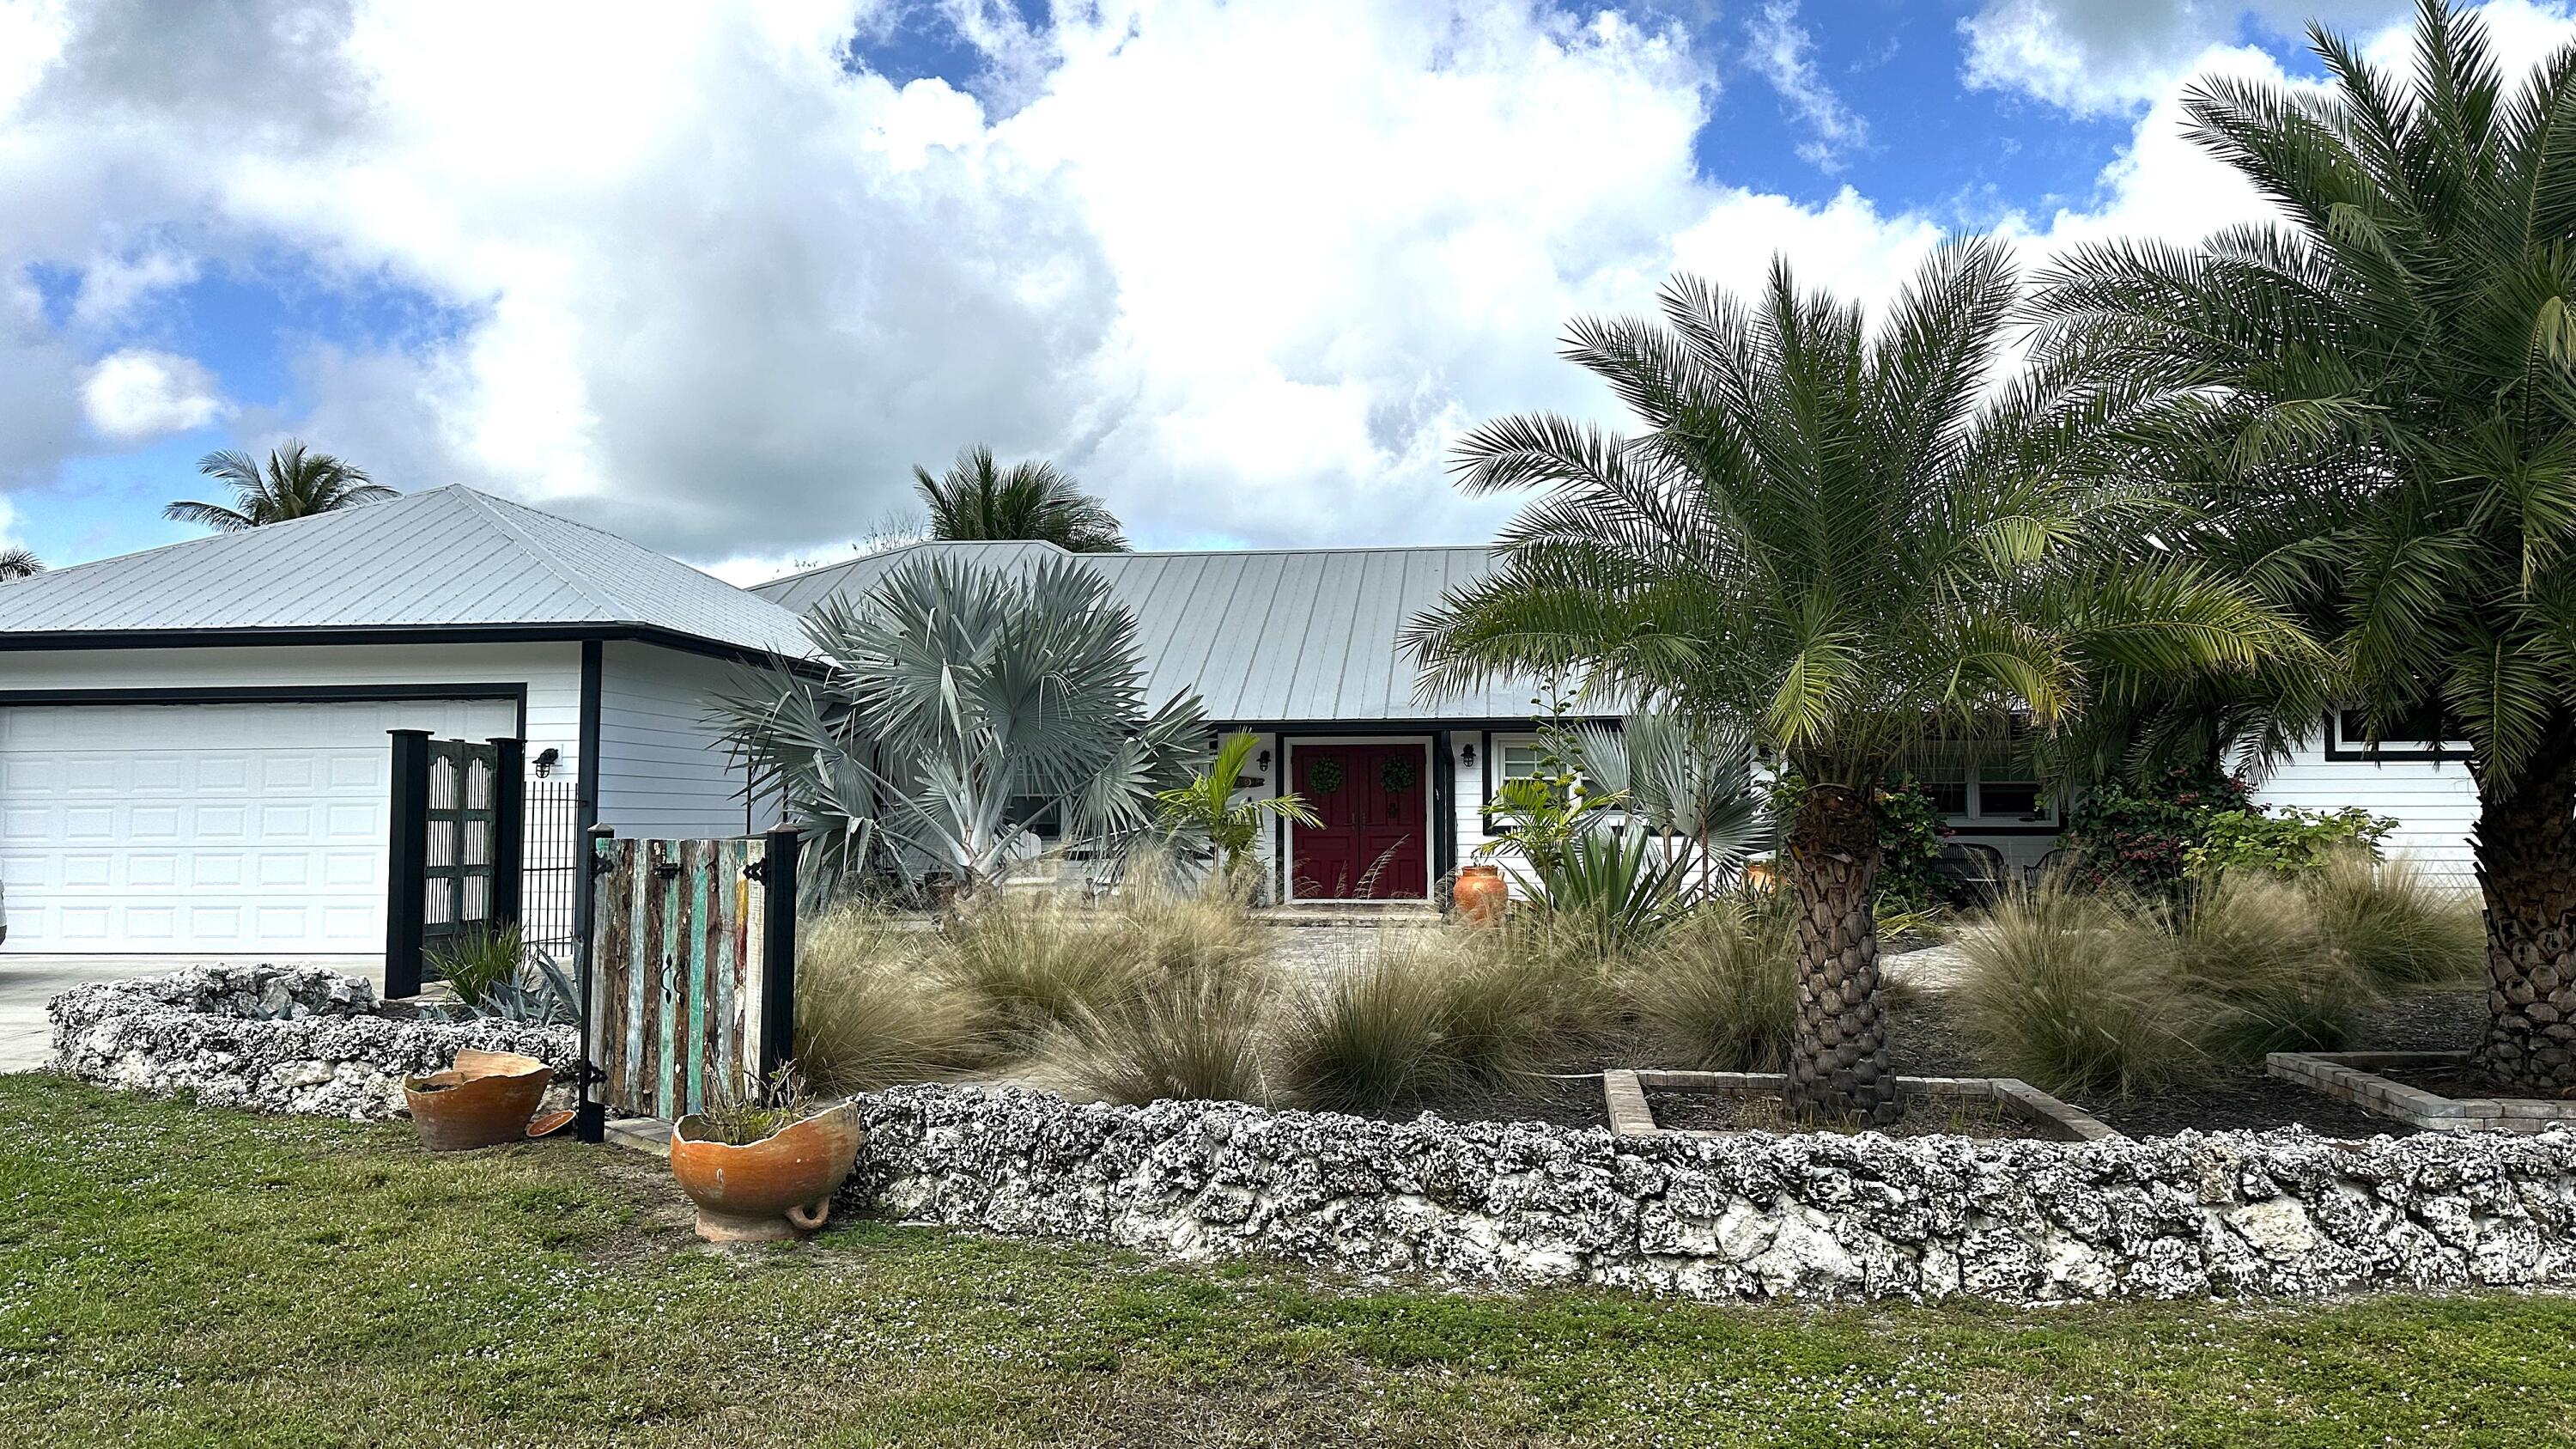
x: 446, y: 558
x: 1263, y: 635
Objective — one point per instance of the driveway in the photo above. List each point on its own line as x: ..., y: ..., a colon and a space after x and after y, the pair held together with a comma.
x: 28, y: 982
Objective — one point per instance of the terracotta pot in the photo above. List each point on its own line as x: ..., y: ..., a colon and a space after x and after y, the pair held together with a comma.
x: 483, y: 1099
x: 1481, y: 894
x: 771, y: 1189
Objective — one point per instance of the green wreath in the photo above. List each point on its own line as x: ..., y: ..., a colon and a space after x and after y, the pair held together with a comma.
x: 1396, y: 773
x: 1326, y: 776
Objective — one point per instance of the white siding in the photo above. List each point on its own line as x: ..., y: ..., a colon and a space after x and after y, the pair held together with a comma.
x: 2434, y: 802
x: 663, y: 770
x: 551, y: 674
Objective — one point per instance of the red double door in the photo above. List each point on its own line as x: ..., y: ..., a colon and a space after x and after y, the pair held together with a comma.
x: 1375, y: 839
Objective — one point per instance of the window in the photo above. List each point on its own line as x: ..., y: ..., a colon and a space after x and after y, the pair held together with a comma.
x: 1516, y: 759
x: 1947, y: 782
x: 2003, y: 790
x: 1994, y: 791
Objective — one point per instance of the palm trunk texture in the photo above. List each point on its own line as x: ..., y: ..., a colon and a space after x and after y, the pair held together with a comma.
x: 2526, y: 853
x: 1838, y: 1065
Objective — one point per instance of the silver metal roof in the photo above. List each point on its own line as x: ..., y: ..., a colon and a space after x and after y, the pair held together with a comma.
x: 447, y: 557
x: 1262, y: 635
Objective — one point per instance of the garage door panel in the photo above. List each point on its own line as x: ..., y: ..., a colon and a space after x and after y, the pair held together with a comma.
x: 205, y: 828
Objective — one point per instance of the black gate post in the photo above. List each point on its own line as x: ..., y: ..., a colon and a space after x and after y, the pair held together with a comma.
x: 509, y: 828
x: 406, y: 860
x: 589, y: 1115
x: 778, y: 950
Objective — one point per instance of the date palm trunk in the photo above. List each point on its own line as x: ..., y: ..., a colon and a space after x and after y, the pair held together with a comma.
x: 1838, y: 1061
x: 2526, y: 854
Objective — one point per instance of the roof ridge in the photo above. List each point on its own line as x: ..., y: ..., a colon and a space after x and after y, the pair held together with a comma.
x: 561, y: 568
x: 266, y: 530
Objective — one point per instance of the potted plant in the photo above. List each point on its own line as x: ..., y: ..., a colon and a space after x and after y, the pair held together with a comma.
x: 764, y: 1167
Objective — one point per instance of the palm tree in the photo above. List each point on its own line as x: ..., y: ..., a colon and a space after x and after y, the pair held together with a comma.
x: 977, y: 499
x: 2377, y: 395
x: 19, y: 563
x: 1205, y: 812
x: 961, y: 701
x: 1849, y: 543
x: 297, y: 484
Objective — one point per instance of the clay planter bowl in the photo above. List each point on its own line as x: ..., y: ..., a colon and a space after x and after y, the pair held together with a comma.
x: 1481, y: 894
x: 483, y: 1100
x: 772, y: 1189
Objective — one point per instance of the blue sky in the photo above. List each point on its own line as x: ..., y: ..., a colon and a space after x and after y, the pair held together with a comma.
x: 719, y: 282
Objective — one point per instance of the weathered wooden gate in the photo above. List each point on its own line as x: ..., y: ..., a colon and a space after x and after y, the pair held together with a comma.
x: 689, y: 985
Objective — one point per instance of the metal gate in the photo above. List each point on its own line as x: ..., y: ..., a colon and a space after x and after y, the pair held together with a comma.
x: 453, y: 849
x: 689, y: 984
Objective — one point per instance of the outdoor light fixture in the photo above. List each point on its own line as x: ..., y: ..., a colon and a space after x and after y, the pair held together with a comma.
x: 546, y: 759
x: 1264, y: 760
x: 1466, y: 754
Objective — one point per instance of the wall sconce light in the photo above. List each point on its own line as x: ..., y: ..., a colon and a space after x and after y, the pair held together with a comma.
x: 1263, y: 759
x: 546, y: 759
x: 1466, y: 754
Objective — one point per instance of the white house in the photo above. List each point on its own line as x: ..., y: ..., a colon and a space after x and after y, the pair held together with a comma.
x: 193, y: 745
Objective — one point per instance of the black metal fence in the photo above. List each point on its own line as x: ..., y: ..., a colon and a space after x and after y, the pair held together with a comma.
x: 552, y: 862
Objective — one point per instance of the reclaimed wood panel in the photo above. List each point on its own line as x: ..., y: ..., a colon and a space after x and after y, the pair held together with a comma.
x: 678, y: 955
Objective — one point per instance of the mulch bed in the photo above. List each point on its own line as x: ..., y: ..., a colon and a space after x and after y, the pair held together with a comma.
x: 1925, y: 1116
x: 2459, y: 1082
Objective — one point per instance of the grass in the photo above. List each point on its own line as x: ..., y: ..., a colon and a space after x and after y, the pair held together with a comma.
x: 1720, y: 990
x: 2399, y: 927
x: 867, y: 1016
x: 2074, y: 992
x: 176, y: 1276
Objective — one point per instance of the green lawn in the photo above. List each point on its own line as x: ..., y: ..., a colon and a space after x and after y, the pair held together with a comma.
x: 171, y: 1275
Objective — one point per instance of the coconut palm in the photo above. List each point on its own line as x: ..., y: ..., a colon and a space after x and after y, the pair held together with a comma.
x: 19, y: 563
x: 958, y: 703
x: 978, y: 499
x: 295, y: 484
x: 2377, y: 394
x: 1852, y: 544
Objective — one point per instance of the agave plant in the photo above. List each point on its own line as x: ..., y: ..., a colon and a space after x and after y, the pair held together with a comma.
x: 957, y: 704
x: 1617, y: 881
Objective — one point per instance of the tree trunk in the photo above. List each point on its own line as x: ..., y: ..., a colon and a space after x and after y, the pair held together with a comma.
x: 2526, y: 854
x: 1838, y: 1061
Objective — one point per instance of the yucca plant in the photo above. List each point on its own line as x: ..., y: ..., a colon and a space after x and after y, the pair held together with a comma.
x: 2376, y: 395
x: 1616, y: 883
x: 1852, y: 540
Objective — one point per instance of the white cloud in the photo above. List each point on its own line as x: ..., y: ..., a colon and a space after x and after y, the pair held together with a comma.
x: 2108, y: 56
x: 1778, y: 48
x: 139, y: 394
x: 1247, y: 269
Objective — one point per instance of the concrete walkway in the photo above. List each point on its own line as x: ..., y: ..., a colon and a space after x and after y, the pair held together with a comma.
x: 28, y: 982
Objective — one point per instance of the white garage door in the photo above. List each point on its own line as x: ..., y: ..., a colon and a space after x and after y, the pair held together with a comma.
x: 205, y: 829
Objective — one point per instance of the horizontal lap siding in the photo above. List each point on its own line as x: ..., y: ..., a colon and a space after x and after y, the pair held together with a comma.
x: 551, y: 674
x: 663, y: 768
x: 2434, y: 802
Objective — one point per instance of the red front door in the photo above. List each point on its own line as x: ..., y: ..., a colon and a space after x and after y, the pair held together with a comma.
x: 1374, y: 842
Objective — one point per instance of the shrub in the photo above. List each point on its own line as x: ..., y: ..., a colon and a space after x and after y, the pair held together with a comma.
x: 1190, y: 1035
x: 475, y: 963
x: 1377, y: 1034
x: 2079, y: 993
x: 2139, y: 836
x: 2397, y: 927
x: 1719, y: 992
x: 2253, y: 949
x: 1618, y: 886
x: 2291, y: 842
x: 870, y: 1013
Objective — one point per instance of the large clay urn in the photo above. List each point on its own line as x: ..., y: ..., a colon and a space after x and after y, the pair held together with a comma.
x: 1481, y: 894
x: 772, y: 1189
x: 483, y: 1099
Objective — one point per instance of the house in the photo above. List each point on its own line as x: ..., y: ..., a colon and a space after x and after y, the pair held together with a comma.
x: 1299, y: 646
x: 194, y: 754
x: 193, y: 746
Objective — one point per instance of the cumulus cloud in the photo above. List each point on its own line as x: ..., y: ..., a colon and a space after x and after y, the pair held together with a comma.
x: 1247, y: 269
x: 2106, y: 56
x: 139, y: 394
x: 1779, y: 48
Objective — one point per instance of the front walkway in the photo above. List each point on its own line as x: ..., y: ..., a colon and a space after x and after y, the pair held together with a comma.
x: 28, y: 982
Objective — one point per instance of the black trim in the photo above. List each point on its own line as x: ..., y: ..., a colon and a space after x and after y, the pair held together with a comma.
x: 516, y: 694
x: 778, y: 885
x: 1444, y: 811
x: 55, y: 639
x: 590, y: 1119
x: 2367, y: 753
x: 406, y: 860
x: 1429, y: 724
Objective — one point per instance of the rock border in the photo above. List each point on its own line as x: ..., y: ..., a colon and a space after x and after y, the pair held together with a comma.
x: 1737, y: 1216
x: 2350, y: 1077
x: 269, y: 1039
